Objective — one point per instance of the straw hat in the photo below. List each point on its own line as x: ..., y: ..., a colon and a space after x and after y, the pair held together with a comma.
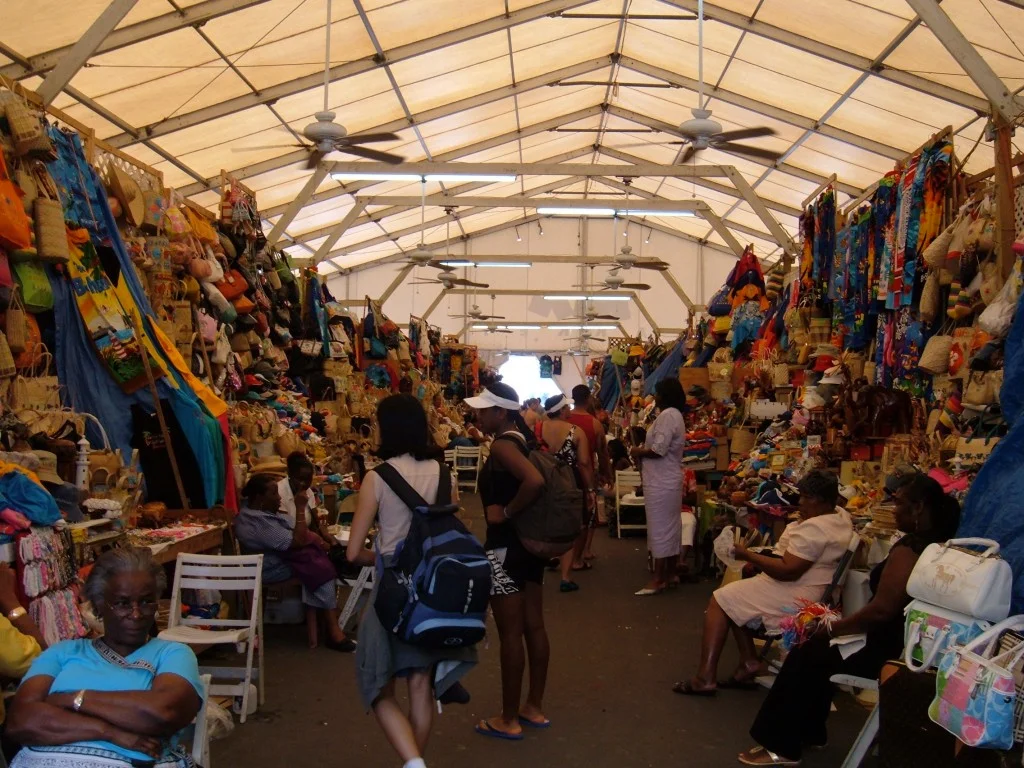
x: 129, y: 194
x: 47, y: 471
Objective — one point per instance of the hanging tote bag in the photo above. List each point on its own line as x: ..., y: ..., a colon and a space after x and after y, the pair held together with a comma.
x: 15, y: 228
x: 935, y: 358
x: 950, y: 576
x: 16, y: 325
x: 930, y: 631
x: 974, y: 689
x: 34, y: 286
x: 7, y: 367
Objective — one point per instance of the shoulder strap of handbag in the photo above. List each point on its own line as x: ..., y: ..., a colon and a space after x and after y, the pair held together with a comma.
x: 408, y: 495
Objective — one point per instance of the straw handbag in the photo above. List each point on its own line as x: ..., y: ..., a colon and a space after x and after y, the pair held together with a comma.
x: 36, y: 391
x: 104, y: 463
x: 7, y: 367
x: 16, y: 325
x: 27, y: 130
x: 288, y: 443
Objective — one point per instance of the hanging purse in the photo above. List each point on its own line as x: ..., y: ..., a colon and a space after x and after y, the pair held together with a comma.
x: 930, y: 631
x: 16, y: 325
x: 28, y: 130
x: 975, y: 692
x: 34, y: 286
x: 981, y: 388
x: 244, y: 305
x: 935, y: 357
x: 972, y: 583
x: 207, y: 327
x: 51, y: 229
x: 233, y: 285
x: 15, y: 228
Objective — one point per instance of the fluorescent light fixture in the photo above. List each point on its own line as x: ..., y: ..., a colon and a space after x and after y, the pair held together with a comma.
x: 543, y: 211
x: 484, y: 264
x: 522, y: 327
x: 593, y: 327
x: 385, y: 176
x: 583, y: 297
x: 655, y: 213
x: 368, y: 176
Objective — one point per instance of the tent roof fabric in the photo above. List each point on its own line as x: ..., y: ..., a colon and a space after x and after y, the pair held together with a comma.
x: 849, y: 86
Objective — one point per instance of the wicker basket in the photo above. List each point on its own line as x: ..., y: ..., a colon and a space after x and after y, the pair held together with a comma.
x: 27, y: 130
x: 16, y: 324
x: 51, y: 231
x: 7, y: 367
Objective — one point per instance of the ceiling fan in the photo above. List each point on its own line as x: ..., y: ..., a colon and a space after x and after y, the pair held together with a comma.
x: 590, y: 314
x: 327, y: 136
x: 476, y: 314
x: 449, y: 281
x: 701, y: 132
x: 613, y: 281
x: 626, y: 259
x: 492, y: 328
x: 420, y: 256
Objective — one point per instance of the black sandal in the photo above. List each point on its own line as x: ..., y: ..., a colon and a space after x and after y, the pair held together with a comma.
x: 685, y: 688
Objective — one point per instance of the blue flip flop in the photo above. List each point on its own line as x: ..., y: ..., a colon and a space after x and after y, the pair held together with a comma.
x: 485, y: 729
x: 533, y: 724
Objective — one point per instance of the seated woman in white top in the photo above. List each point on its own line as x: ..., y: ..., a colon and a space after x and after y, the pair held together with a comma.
x: 810, y: 551
x: 405, y: 444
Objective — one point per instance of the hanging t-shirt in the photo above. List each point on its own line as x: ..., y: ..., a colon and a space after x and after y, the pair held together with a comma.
x: 156, y: 463
x: 546, y: 365
x: 556, y: 365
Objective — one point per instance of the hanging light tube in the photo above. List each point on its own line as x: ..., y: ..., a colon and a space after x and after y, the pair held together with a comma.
x: 583, y: 297
x: 643, y: 212
x: 544, y: 211
x: 385, y: 176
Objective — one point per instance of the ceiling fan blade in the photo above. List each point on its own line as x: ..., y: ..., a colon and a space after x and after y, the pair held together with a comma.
x: 271, y: 146
x: 492, y: 317
x: 689, y: 153
x: 743, y: 149
x: 499, y: 330
x: 744, y: 133
x: 602, y: 317
x: 660, y: 266
x: 636, y: 286
x: 426, y: 282
x: 314, y: 157
x: 369, y: 138
x: 468, y: 283
x: 371, y: 154
x: 651, y: 144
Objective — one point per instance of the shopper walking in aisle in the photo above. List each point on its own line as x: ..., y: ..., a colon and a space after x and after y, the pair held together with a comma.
x: 566, y: 441
x: 407, y: 446
x: 794, y: 713
x: 508, y: 485
x: 662, y: 457
x: 582, y: 416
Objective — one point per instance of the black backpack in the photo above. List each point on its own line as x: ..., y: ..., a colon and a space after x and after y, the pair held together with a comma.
x: 436, y: 589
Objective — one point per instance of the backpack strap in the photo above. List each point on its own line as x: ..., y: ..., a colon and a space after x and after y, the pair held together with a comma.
x: 408, y: 495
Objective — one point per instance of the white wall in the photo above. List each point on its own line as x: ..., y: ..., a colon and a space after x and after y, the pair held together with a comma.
x: 562, y: 237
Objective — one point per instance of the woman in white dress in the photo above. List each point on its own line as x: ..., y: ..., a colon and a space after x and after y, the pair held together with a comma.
x: 810, y: 551
x: 662, y: 456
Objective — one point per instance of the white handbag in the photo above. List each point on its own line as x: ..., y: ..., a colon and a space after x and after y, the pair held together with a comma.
x: 977, y: 584
x: 930, y: 631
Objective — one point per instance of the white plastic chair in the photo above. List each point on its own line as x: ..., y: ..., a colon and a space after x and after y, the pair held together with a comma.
x: 238, y: 573
x: 626, y: 481
x: 866, y: 738
x: 449, y: 457
x: 200, y: 730
x: 468, y: 460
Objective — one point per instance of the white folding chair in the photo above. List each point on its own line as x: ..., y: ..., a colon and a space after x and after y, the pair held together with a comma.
x: 468, y: 460
x: 200, y: 731
x: 239, y: 573
x: 866, y: 738
x: 449, y: 458
x: 626, y: 481
x: 360, y: 586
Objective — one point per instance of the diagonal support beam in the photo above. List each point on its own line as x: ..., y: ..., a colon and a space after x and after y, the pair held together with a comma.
x: 960, y: 48
x: 86, y: 46
x: 193, y: 16
x: 337, y: 231
x: 296, y: 205
x: 434, y: 304
x: 677, y: 289
x: 754, y: 201
x: 723, y: 231
x: 367, y: 64
x: 399, y: 279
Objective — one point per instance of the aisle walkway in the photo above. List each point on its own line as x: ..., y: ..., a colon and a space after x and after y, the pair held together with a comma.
x: 614, y: 659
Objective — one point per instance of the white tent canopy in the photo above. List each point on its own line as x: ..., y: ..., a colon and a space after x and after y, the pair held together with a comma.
x: 193, y: 87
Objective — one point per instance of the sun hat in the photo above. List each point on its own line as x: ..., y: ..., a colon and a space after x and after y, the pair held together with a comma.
x: 554, y: 410
x: 487, y: 399
x: 47, y: 471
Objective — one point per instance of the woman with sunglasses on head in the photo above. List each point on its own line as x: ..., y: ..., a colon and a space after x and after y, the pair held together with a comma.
x: 794, y: 714
x: 509, y: 483
x: 120, y: 700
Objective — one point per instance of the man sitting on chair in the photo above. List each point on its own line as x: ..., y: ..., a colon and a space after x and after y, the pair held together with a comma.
x: 291, y: 550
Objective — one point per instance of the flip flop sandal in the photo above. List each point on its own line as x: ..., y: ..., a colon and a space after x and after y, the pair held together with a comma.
x: 568, y: 586
x: 541, y: 724
x: 645, y: 592
x: 584, y: 567
x: 685, y: 688
x: 739, y: 685
x: 750, y: 758
x: 486, y: 729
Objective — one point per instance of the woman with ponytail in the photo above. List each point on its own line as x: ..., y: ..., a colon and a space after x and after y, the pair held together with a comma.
x: 509, y: 483
x: 794, y: 713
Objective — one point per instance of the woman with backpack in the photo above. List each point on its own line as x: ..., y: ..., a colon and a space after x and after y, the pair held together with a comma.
x: 382, y: 658
x: 509, y: 483
x: 560, y: 437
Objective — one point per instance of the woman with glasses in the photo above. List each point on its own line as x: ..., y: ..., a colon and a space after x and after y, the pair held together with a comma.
x: 120, y: 700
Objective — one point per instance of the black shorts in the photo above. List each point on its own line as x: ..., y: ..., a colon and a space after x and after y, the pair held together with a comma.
x: 512, y: 567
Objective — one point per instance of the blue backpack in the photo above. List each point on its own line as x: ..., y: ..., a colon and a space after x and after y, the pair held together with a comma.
x: 435, y: 591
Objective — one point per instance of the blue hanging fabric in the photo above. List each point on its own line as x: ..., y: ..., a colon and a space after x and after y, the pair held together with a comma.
x: 669, y: 367
x: 609, y: 393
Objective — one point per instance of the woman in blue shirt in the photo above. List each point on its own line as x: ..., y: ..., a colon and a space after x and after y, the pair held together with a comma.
x: 116, y: 700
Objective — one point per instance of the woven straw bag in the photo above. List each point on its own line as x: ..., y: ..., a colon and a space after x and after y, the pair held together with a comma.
x: 27, y: 129
x: 51, y: 231
x: 16, y: 324
x: 935, y: 358
x: 7, y: 367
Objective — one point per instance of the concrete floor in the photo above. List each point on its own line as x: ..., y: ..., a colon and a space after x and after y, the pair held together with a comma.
x: 614, y: 658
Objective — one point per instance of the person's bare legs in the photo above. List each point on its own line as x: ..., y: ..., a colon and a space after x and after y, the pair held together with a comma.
x: 671, y: 570
x: 750, y: 664
x: 588, y: 548
x: 509, y: 617
x: 660, y: 576
x: 573, y: 559
x: 538, y: 650
x: 421, y: 707
x: 716, y: 630
x: 396, y: 726
x: 334, y: 632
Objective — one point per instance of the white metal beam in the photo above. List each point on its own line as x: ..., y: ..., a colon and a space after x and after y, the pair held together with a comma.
x: 359, y: 66
x: 193, y: 16
x: 838, y: 55
x: 762, y: 108
x: 399, y: 279
x: 80, y: 52
x: 337, y: 231
x: 754, y: 201
x: 530, y: 201
x: 296, y: 205
x: 534, y: 169
x: 434, y: 304
x: 960, y: 48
